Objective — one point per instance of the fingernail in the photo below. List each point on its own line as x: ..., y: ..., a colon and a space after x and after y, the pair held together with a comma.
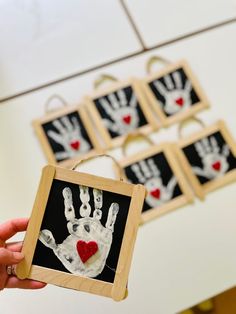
x: 18, y: 255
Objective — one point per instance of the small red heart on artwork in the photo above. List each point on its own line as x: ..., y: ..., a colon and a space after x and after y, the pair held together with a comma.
x: 86, y: 249
x: 156, y: 193
x: 75, y: 145
x: 127, y: 119
x: 179, y: 101
x: 216, y: 165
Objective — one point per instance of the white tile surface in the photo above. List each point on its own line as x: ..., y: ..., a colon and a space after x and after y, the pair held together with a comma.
x: 47, y: 40
x: 160, y: 21
x: 180, y: 259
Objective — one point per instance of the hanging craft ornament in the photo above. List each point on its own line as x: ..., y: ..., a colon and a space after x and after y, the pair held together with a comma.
x: 208, y: 157
x: 156, y: 168
x: 119, y: 109
x: 173, y: 92
x: 66, y: 133
x: 97, y: 218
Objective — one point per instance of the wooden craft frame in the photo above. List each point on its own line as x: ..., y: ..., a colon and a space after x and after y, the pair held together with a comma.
x: 37, y: 124
x: 202, y: 189
x: 152, y: 125
x: 185, y: 198
x: 116, y: 290
x: 165, y: 120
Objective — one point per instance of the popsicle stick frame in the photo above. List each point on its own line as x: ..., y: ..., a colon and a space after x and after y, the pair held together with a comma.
x: 208, y: 158
x: 157, y: 169
x: 174, y: 93
x: 66, y: 135
x: 120, y: 109
x: 95, y: 220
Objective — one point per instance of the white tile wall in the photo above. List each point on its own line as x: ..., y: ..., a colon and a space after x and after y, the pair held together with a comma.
x: 161, y: 21
x: 47, y: 40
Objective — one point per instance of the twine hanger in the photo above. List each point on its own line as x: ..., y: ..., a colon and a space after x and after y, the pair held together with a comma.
x: 102, y: 79
x: 134, y: 136
x: 188, y: 121
x: 121, y: 173
x: 50, y: 99
x: 155, y: 59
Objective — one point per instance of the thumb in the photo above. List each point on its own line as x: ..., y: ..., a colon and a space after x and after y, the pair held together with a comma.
x: 8, y: 258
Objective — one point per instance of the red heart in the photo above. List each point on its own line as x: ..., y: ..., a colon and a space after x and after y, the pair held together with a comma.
x: 156, y: 193
x: 75, y: 145
x: 86, y: 249
x: 127, y: 119
x: 179, y: 101
x: 216, y: 165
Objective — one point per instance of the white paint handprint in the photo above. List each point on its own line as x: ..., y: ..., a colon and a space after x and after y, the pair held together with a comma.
x: 148, y: 174
x: 69, y: 136
x: 122, y: 112
x: 85, y: 250
x: 176, y: 94
x: 214, y: 159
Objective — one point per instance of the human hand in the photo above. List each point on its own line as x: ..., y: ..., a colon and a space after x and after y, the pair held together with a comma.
x: 10, y: 255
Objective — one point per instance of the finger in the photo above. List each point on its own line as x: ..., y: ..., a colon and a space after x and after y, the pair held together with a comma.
x: 160, y: 88
x: 8, y: 257
x: 122, y: 97
x: 177, y: 79
x: 55, y: 137
x: 67, y: 123
x: 168, y: 82
x: 14, y: 282
x: 76, y: 124
x: 106, y: 107
x: 11, y: 227
x: 15, y: 246
x: 133, y: 101
x: 113, y: 101
x: 58, y: 125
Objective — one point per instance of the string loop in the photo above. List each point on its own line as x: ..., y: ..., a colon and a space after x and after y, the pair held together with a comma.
x: 50, y: 99
x: 134, y: 136
x: 155, y: 59
x: 102, y: 79
x: 187, y: 121
x: 121, y: 173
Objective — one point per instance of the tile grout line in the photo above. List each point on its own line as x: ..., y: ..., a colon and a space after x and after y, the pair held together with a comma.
x: 120, y: 59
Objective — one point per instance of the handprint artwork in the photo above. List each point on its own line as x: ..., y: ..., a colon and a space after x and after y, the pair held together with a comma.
x: 174, y: 92
x: 67, y: 136
x: 85, y: 250
x: 120, y: 112
x: 214, y: 159
x: 156, y: 175
x: 210, y: 157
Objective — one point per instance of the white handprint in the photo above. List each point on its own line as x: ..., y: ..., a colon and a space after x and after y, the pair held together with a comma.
x: 148, y: 174
x: 214, y: 160
x: 123, y: 113
x: 177, y: 97
x: 69, y: 136
x: 85, y: 250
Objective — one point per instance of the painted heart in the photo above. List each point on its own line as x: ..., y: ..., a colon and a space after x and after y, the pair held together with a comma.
x: 156, y: 193
x: 75, y: 145
x: 127, y: 119
x: 216, y: 165
x: 179, y: 101
x: 86, y: 249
